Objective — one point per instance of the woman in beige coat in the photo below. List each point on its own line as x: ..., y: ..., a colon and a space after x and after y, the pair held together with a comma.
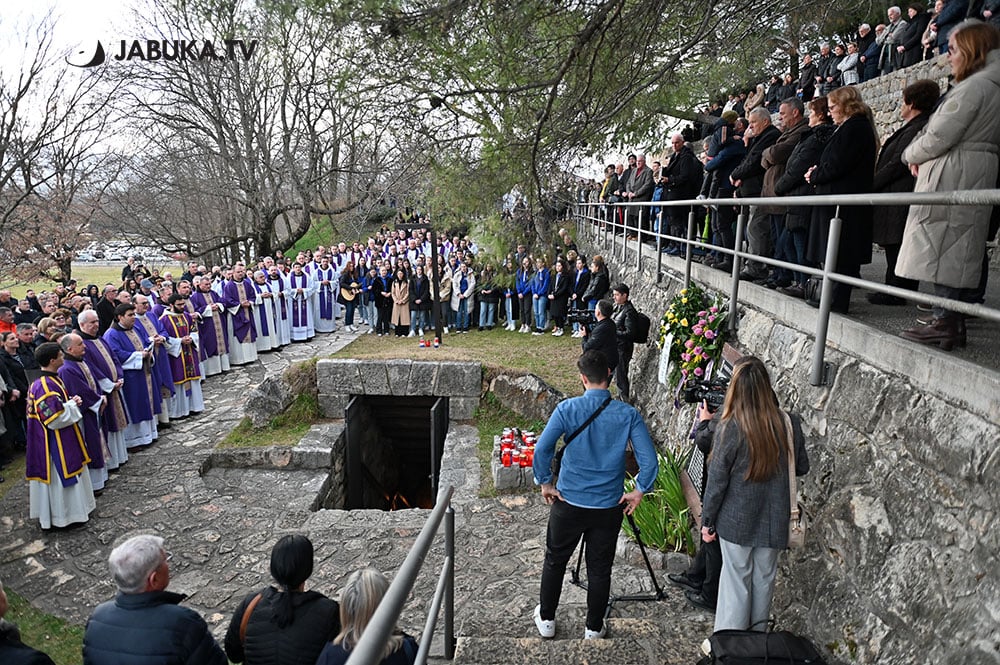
x: 401, y: 303
x: 958, y: 150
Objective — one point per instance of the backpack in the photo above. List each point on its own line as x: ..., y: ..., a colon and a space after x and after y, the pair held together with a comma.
x: 642, y: 329
x: 745, y: 647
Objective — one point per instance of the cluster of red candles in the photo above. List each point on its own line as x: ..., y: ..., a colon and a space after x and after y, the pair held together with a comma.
x: 517, y: 448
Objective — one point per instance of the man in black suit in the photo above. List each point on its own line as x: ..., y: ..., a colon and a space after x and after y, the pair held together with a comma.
x: 105, y: 307
x: 602, y: 336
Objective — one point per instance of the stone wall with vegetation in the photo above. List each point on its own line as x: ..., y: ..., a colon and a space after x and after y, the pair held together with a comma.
x: 901, y: 564
x: 885, y: 94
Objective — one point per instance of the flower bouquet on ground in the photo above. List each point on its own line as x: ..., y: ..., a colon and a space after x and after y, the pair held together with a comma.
x: 662, y: 516
x: 693, y: 333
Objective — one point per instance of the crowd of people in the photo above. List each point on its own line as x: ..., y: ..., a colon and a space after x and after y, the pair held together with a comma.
x: 830, y: 145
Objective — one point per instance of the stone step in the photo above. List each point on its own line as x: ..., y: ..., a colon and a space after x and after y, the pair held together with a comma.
x: 628, y: 642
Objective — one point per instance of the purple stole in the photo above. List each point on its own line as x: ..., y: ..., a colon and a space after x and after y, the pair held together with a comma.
x: 281, y: 291
x: 260, y: 288
x: 300, y: 306
x: 243, y: 328
x: 326, y: 295
x: 132, y: 335
x: 185, y: 366
x: 161, y: 365
x: 100, y: 359
x: 46, y: 397
x: 219, y: 345
x: 78, y: 379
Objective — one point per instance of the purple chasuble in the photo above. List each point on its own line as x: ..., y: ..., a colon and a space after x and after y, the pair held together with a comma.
x: 235, y: 293
x: 65, y: 446
x: 78, y: 380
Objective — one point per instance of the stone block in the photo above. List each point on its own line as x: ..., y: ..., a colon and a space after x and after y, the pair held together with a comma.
x: 332, y: 406
x: 337, y: 375
x: 398, y: 372
x: 459, y: 378
x: 526, y: 395
x: 511, y: 477
x: 374, y: 380
x: 267, y: 400
x: 423, y: 378
x: 462, y: 408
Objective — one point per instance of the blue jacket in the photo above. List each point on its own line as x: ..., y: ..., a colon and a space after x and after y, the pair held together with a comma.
x: 149, y: 629
x: 592, y: 474
x: 523, y: 285
x: 540, y: 282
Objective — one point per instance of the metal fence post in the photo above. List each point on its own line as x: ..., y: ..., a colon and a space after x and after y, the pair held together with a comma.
x: 687, y: 250
x: 638, y: 243
x: 825, y: 301
x: 734, y: 288
x: 659, y: 248
x: 449, y: 589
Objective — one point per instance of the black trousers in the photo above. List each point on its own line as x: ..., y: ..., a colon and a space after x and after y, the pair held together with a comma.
x: 599, y: 530
x: 621, y: 371
x: 706, y: 567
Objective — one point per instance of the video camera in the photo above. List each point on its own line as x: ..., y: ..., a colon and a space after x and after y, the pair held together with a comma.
x: 713, y: 392
x: 584, y: 317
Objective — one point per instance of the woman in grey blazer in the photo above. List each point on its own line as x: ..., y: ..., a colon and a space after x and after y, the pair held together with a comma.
x: 746, y: 503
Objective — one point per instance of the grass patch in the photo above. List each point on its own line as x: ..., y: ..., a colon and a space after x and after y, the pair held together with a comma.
x: 285, y: 429
x: 551, y: 358
x: 491, y: 417
x: 62, y: 641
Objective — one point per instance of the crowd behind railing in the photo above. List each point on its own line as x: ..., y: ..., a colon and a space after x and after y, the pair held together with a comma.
x: 830, y: 146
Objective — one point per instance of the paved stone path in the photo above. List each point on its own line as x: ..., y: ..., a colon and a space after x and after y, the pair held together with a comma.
x: 220, y: 528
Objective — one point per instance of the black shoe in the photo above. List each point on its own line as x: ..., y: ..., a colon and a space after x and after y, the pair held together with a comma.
x: 698, y: 600
x: 724, y: 265
x: 753, y: 276
x: 682, y: 580
x: 885, y: 299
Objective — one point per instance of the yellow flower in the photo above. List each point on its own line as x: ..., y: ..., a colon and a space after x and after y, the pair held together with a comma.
x: 684, y: 292
x: 684, y: 322
x: 684, y: 300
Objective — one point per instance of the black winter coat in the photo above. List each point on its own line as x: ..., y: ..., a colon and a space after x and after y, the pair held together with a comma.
x: 750, y: 170
x: 560, y: 286
x: 892, y: 175
x: 847, y: 166
x: 793, y: 181
x: 14, y: 652
x: 599, y: 286
x: 602, y: 337
x: 315, y: 622
x: 149, y: 629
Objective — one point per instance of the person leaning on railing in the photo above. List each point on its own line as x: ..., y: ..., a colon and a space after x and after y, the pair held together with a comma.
x: 946, y: 245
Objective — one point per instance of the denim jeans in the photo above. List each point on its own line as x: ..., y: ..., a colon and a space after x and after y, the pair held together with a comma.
x: 509, y: 309
x: 462, y: 316
x: 487, y: 314
x: 540, y: 306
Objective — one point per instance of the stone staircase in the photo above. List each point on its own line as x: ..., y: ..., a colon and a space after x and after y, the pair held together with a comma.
x: 630, y: 641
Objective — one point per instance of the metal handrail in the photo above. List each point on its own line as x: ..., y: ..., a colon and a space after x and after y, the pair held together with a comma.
x: 368, y: 650
x: 817, y: 371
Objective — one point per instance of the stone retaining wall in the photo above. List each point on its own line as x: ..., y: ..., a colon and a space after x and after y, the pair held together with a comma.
x: 885, y: 94
x: 338, y: 379
x: 901, y: 564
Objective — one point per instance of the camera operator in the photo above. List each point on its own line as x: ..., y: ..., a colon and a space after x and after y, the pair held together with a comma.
x: 602, y: 336
x: 626, y: 320
x: 588, y: 498
x: 701, y: 580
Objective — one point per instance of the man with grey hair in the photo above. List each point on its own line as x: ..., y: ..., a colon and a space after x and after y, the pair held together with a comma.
x: 888, y: 60
x: 639, y: 189
x: 748, y: 178
x: 171, y: 634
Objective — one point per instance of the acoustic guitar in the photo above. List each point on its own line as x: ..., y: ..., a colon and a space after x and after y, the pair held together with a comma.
x: 351, y: 292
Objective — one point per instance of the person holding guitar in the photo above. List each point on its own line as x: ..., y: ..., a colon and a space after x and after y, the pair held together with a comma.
x: 350, y: 288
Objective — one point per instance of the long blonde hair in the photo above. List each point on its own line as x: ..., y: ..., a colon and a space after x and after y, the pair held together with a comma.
x: 359, y: 599
x: 752, y: 405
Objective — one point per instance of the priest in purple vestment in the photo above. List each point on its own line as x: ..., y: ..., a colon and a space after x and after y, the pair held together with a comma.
x: 238, y: 297
x: 60, y: 492
x: 163, y: 380
x: 213, y: 339
x: 135, y: 352
x: 78, y: 380
x: 182, y: 347
x: 110, y: 378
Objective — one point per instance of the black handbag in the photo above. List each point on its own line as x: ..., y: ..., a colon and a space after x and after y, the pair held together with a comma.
x: 813, y: 290
x: 748, y: 647
x: 557, y: 458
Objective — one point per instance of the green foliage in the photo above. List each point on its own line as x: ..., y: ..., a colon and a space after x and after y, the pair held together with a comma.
x: 662, y: 516
x: 285, y: 429
x: 491, y: 418
x: 61, y: 640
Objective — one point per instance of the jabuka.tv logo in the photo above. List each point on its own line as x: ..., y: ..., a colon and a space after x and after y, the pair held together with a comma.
x: 165, y: 50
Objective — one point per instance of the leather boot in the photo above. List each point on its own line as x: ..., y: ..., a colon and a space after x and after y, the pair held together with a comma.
x: 943, y: 332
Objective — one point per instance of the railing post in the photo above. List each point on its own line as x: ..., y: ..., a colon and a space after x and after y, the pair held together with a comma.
x: 659, y: 247
x: 816, y: 372
x: 638, y: 242
x: 624, y: 235
x: 449, y: 590
x: 687, y: 250
x: 734, y: 287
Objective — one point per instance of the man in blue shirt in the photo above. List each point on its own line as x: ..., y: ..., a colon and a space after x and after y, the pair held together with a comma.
x: 588, y: 498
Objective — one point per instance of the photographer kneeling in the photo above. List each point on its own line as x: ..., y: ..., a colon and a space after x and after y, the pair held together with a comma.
x: 588, y: 498
x: 602, y: 336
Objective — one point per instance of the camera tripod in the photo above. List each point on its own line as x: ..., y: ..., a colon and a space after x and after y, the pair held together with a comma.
x: 659, y: 595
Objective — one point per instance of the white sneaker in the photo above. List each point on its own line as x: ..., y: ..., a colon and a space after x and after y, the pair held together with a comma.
x: 412, y: 334
x: 589, y: 634
x: 370, y: 331
x: 421, y: 332
x: 445, y: 331
x: 352, y: 328
x: 706, y: 647
x: 546, y: 629
x: 558, y: 332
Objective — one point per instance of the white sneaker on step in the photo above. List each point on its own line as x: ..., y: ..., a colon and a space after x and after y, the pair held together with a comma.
x: 589, y: 634
x: 546, y: 629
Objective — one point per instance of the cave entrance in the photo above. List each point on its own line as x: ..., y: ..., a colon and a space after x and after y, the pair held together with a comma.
x: 394, y: 446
